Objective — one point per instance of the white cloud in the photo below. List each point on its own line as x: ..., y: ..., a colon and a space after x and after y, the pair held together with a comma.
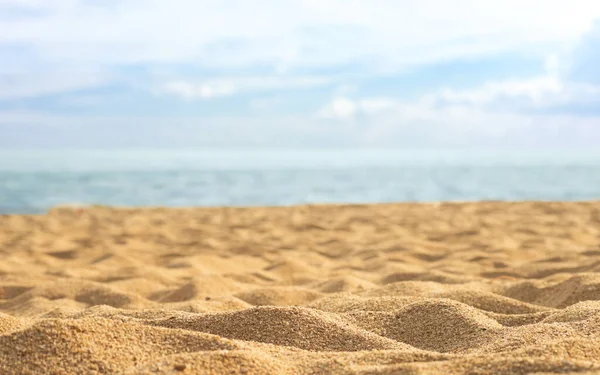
x: 425, y: 123
x: 214, y: 88
x: 342, y: 107
x: 282, y: 34
x: 189, y: 90
x: 286, y: 34
x: 534, y: 89
x: 468, y: 127
x: 236, y: 36
x: 541, y: 92
x: 465, y: 117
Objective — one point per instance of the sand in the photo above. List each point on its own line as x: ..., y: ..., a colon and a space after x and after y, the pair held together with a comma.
x: 446, y: 288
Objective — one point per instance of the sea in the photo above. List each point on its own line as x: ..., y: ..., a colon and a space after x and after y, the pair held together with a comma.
x: 32, y: 182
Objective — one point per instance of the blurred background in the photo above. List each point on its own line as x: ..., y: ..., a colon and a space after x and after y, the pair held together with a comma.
x: 230, y: 102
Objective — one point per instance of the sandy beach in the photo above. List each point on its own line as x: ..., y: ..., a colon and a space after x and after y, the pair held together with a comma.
x: 445, y: 288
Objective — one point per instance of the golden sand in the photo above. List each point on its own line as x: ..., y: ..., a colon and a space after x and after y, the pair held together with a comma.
x: 463, y: 288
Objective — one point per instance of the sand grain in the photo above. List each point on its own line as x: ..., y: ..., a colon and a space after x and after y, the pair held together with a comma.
x: 449, y: 288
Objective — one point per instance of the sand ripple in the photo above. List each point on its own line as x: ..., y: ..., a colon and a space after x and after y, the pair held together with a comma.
x: 469, y: 288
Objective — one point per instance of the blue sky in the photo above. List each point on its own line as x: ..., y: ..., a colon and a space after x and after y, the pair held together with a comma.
x: 299, y: 74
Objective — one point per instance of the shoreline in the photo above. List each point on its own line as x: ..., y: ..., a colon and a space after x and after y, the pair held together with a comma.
x: 349, y: 205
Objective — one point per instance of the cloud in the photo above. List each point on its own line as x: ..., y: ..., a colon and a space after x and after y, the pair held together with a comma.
x: 189, y: 90
x: 495, y: 113
x: 340, y: 108
x: 289, y: 34
x: 509, y: 96
x: 308, y: 72
x: 346, y: 108
x: 542, y: 93
x: 215, y: 88
x: 423, y: 123
x: 533, y: 89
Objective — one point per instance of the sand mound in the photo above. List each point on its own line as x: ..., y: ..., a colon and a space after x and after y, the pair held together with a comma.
x: 407, y: 289
x: 575, y: 349
x: 577, y: 312
x: 12, y: 291
x: 344, y: 284
x: 200, y: 288
x: 292, y: 272
x: 448, y: 288
x: 494, y: 365
x: 435, y: 325
x: 288, y: 326
x: 513, y: 338
x: 341, y: 303
x: 85, y: 292
x: 279, y: 296
x: 439, y: 277
x: 490, y: 302
x: 8, y: 323
x: 87, y: 345
x: 208, y: 305
x: 218, y: 362
x: 518, y: 319
x: 582, y: 287
x: 37, y: 306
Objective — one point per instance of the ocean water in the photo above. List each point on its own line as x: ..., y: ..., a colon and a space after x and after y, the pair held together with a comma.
x: 34, y: 181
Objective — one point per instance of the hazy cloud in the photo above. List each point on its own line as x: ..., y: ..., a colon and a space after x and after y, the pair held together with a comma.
x: 297, y: 72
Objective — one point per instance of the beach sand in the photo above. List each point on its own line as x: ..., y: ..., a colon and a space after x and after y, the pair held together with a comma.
x: 443, y: 288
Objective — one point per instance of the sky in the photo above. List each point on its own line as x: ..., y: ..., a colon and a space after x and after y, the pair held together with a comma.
x: 393, y: 74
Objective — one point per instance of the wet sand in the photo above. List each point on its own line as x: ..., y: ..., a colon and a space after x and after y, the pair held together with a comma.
x: 448, y: 288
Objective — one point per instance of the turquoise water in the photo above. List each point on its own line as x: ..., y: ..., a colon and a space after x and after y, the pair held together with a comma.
x: 32, y: 182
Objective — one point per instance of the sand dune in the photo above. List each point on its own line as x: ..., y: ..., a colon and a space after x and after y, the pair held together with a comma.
x: 446, y: 288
